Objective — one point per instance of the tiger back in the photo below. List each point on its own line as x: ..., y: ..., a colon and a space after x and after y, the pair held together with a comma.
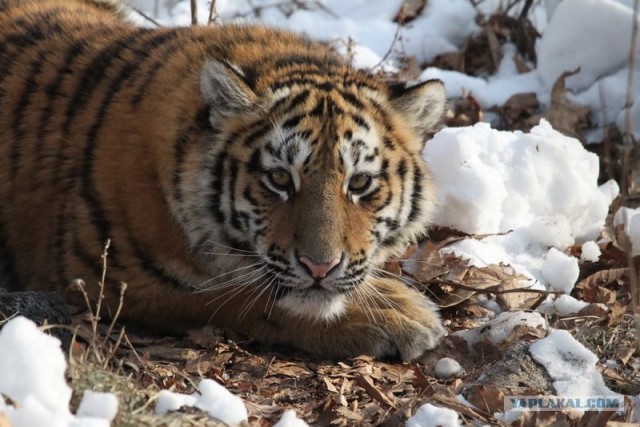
x: 245, y: 176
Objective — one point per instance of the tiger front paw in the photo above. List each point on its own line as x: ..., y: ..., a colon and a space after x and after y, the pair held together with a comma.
x: 389, y: 319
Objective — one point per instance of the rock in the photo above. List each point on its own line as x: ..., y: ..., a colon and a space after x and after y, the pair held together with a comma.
x: 447, y: 368
x: 39, y: 307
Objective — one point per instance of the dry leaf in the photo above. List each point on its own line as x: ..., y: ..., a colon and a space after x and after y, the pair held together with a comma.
x: 409, y: 10
x: 603, y: 278
x: 566, y: 117
x: 624, y: 354
x: 366, y: 383
x: 487, y: 398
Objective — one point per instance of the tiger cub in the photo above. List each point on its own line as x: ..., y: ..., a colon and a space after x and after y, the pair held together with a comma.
x: 246, y: 177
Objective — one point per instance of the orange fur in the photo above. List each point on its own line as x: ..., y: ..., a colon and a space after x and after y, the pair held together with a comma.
x: 164, y: 141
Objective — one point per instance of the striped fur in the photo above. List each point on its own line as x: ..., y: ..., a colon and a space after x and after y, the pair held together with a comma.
x: 175, y: 143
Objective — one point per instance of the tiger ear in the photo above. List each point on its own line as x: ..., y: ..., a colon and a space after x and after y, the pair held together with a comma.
x: 225, y: 89
x: 422, y: 104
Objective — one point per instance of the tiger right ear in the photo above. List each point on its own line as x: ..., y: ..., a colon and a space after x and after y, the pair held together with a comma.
x: 224, y: 88
x: 423, y: 104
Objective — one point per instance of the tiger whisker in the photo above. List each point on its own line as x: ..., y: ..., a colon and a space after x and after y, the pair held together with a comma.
x: 202, y: 286
x: 232, y: 248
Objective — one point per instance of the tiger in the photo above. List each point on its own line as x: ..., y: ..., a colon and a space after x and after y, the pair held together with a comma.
x: 246, y: 177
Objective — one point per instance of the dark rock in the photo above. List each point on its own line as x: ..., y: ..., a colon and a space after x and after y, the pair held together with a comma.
x: 39, y: 307
x: 517, y: 371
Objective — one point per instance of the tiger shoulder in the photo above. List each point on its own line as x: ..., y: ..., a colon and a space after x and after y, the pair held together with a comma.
x: 246, y: 177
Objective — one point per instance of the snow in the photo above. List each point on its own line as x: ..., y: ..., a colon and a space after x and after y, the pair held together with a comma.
x: 630, y: 218
x: 429, y: 415
x: 590, y: 251
x: 211, y: 397
x: 560, y: 270
x: 33, y: 366
x: 170, y: 401
x: 33, y: 377
x: 562, y: 48
x: 290, y: 419
x: 98, y: 405
x: 539, y: 187
x: 571, y: 366
x: 447, y: 368
x: 566, y: 305
x: 220, y: 403
x: 497, y: 330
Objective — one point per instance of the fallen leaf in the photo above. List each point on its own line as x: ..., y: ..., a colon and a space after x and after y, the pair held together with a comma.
x: 487, y: 398
x: 565, y: 116
x: 624, y: 353
x: 366, y: 383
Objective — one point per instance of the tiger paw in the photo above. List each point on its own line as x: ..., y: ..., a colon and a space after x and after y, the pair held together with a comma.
x: 392, y: 320
x: 384, y: 318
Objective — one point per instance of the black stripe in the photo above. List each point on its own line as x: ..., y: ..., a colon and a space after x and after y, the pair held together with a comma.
x: 416, y: 194
x: 89, y: 191
x: 160, y: 62
x: 217, y: 178
x: 9, y: 277
x: 150, y: 264
x: 17, y: 124
x: 232, y: 180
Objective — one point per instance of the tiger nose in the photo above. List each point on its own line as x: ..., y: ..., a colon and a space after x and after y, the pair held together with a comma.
x: 318, y: 270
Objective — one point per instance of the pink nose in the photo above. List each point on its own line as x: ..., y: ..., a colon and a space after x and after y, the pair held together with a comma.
x: 318, y: 271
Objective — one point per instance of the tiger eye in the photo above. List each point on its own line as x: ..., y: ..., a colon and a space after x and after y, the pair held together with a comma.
x: 281, y: 179
x: 359, y: 183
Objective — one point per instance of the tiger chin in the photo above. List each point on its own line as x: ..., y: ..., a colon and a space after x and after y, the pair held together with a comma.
x: 247, y: 177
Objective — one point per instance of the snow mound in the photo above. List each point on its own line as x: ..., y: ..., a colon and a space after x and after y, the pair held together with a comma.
x: 32, y: 375
x: 33, y: 365
x: 429, y: 415
x: 541, y: 188
x: 570, y: 364
x: 607, y: 25
x: 491, y: 181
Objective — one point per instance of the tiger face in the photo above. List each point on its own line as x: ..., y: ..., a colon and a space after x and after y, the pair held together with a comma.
x: 317, y: 173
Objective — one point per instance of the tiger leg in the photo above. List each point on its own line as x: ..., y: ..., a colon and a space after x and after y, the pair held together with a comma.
x: 385, y: 318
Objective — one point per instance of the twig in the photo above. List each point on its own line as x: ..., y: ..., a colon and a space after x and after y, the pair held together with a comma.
x: 213, y: 14
x: 145, y: 16
x: 396, y: 37
x: 492, y: 290
x: 194, y: 12
x: 627, y: 137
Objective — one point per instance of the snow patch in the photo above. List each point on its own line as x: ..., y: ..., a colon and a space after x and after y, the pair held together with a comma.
x: 560, y: 270
x: 290, y: 419
x: 570, y: 365
x: 590, y: 251
x: 630, y: 218
x: 566, y: 305
x: 497, y: 330
x: 98, y: 405
x: 429, y: 415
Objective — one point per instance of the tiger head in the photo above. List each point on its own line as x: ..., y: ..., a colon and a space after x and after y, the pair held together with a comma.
x: 315, y: 170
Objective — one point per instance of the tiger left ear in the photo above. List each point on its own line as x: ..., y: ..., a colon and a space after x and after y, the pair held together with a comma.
x: 422, y: 104
x: 225, y: 90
